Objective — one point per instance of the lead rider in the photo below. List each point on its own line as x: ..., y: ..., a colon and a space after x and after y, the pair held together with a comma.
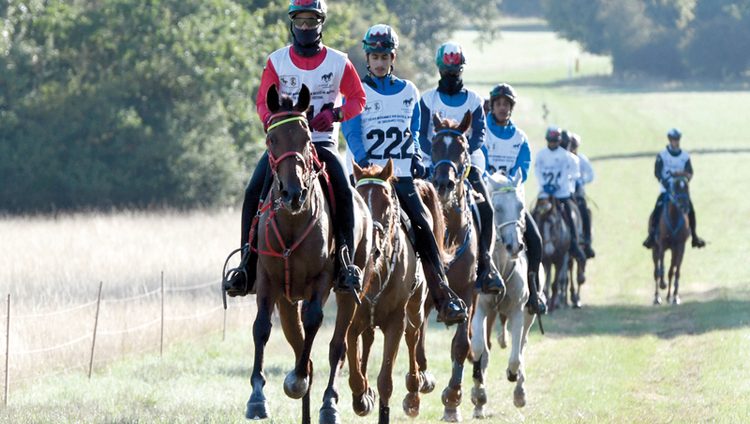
x: 388, y: 130
x: 328, y: 74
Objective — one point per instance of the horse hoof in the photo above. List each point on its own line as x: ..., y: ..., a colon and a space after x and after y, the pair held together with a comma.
x: 519, y: 397
x: 478, y: 397
x: 479, y: 413
x: 295, y: 387
x: 676, y: 300
x: 364, y: 403
x: 428, y: 382
x: 577, y: 304
x: 329, y: 414
x: 502, y: 342
x: 411, y: 405
x: 451, y: 415
x: 511, y: 377
x: 657, y: 300
x: 257, y: 410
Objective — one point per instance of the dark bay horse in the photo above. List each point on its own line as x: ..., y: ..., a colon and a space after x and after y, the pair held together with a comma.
x: 556, y: 239
x: 672, y: 234
x: 451, y: 162
x: 395, y: 296
x: 295, y: 264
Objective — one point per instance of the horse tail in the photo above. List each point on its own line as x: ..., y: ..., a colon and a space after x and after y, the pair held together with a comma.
x: 430, y: 198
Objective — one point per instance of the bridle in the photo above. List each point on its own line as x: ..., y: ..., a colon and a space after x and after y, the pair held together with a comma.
x: 519, y: 222
x: 309, y: 162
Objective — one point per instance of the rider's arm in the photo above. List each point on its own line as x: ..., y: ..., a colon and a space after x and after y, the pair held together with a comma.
x: 658, y: 167
x: 269, y: 78
x: 523, y: 161
x: 414, y: 127
x: 351, y: 88
x: 424, y: 125
x: 478, y: 129
x: 352, y: 130
x: 688, y: 170
x: 587, y: 171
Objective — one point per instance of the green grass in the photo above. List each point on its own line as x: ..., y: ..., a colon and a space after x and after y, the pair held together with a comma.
x: 619, y: 359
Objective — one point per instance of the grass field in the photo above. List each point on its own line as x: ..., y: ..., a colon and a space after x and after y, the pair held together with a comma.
x: 619, y: 359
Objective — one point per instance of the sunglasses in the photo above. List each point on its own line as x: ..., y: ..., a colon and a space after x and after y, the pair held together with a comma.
x: 308, y: 22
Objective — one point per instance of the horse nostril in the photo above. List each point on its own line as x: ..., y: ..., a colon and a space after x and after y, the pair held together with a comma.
x: 451, y: 185
x: 508, y: 247
x: 285, y: 195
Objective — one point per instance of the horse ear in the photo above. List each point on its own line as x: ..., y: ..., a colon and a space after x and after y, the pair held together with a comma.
x: 437, y: 121
x: 387, y: 171
x: 357, y: 171
x: 465, y: 123
x: 272, y: 99
x: 303, y: 100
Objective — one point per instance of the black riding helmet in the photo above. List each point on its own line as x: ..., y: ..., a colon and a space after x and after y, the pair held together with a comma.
x: 553, y: 134
x: 503, y: 90
x: 564, y: 139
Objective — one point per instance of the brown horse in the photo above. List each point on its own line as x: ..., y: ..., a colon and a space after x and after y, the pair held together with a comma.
x: 672, y: 234
x: 393, y: 301
x: 296, y: 219
x: 451, y: 162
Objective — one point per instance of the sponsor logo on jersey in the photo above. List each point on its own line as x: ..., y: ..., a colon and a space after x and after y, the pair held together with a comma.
x: 326, y: 79
x: 290, y: 81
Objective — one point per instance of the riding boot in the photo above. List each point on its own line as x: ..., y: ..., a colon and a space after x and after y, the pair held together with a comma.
x: 489, y: 279
x: 536, y: 304
x: 575, y: 249
x: 242, y: 279
x: 349, y: 275
x: 451, y: 309
x: 696, y: 241
x: 586, y: 221
x: 653, y: 222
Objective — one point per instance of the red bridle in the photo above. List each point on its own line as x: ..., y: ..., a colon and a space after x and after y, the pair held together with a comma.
x: 274, y: 161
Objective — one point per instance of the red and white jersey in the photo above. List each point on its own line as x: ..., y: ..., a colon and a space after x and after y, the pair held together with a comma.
x: 323, y: 82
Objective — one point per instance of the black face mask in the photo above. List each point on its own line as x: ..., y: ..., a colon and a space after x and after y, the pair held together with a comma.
x: 450, y: 83
x: 307, y: 42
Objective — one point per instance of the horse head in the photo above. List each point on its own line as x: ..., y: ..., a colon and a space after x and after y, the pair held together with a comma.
x: 507, y: 201
x: 450, y: 155
x: 679, y: 193
x: 374, y: 185
x: 288, y: 137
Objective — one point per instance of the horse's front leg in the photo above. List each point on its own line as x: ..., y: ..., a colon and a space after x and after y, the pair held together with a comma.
x: 451, y: 396
x: 515, y: 372
x: 415, y: 316
x: 257, y: 406
x: 658, y: 273
x: 428, y: 380
x: 677, y: 255
x: 357, y: 378
x: 480, y: 352
x: 392, y: 334
x: 346, y: 307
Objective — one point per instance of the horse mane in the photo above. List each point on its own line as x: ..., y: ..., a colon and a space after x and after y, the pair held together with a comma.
x: 286, y: 103
x: 447, y: 123
x: 432, y: 202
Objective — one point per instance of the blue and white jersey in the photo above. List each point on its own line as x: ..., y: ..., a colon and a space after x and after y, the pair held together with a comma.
x: 556, y: 172
x: 587, y: 174
x: 387, y: 128
x: 507, y: 149
x: 670, y: 163
x: 453, y: 107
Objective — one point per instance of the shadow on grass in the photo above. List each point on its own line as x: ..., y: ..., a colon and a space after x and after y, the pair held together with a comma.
x: 718, y: 309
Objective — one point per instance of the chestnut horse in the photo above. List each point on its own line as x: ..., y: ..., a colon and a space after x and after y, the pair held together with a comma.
x: 450, y: 156
x: 672, y: 234
x: 296, y: 263
x: 395, y: 296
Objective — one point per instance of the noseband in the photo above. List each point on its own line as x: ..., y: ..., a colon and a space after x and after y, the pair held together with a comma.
x: 274, y: 161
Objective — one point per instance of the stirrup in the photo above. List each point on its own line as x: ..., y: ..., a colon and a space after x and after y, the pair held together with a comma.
x: 452, y: 311
x: 230, y: 278
x: 537, y: 305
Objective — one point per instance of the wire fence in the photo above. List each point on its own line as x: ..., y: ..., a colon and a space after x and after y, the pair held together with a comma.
x: 21, y: 344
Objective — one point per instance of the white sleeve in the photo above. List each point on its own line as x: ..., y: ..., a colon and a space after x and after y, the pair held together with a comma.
x: 587, y: 171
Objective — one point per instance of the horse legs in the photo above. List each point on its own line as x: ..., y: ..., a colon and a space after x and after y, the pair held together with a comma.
x: 658, y: 257
x: 392, y: 334
x: 515, y: 372
x: 413, y: 377
x: 291, y: 323
x: 502, y: 337
x: 451, y: 396
x: 548, y: 283
x: 428, y: 380
x: 677, y: 255
x: 345, y: 309
x: 257, y: 407
x: 480, y: 352
x: 361, y: 404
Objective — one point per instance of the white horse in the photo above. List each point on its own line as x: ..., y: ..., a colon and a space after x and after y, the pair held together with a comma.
x: 510, y: 257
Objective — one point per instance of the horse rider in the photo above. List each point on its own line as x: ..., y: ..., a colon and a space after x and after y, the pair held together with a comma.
x: 507, y: 150
x: 328, y: 74
x: 671, y: 162
x: 451, y: 100
x: 579, y: 191
x: 392, y: 115
x: 556, y: 169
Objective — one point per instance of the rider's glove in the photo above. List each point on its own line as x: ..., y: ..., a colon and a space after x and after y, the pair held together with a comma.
x: 418, y: 170
x: 324, y: 120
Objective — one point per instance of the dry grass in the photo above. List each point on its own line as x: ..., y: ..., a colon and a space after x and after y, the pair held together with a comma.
x: 52, y: 267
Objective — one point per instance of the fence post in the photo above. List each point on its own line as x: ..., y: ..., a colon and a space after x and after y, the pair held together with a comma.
x: 161, y: 336
x: 96, y: 324
x: 7, y: 355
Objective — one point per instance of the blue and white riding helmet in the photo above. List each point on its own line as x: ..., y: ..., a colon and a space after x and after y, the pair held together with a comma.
x: 674, y: 134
